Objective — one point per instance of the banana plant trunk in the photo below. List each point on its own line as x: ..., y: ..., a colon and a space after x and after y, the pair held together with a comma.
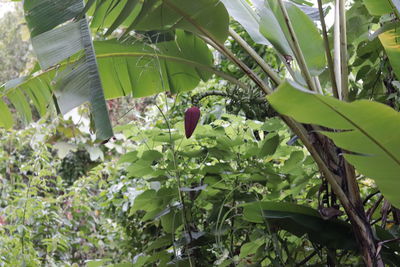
x: 345, y: 175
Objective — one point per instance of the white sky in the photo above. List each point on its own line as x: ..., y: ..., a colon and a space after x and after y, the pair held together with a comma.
x: 5, y: 7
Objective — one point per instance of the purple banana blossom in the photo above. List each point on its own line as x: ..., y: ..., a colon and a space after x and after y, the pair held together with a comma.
x: 192, y: 116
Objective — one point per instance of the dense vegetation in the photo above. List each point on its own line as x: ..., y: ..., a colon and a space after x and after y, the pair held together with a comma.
x: 294, y: 161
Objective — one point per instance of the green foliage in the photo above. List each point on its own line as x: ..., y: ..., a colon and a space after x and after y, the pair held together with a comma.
x: 43, y: 221
x: 14, y: 52
x: 243, y: 190
x: 366, y: 129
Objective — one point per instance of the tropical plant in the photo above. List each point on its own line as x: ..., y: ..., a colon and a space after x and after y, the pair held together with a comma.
x: 164, y: 45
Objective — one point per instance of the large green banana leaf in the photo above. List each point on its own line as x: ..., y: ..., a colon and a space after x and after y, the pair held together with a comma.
x: 56, y: 37
x: 125, y: 68
x: 308, y: 35
x: 204, y: 17
x: 367, y: 131
x: 245, y: 14
x: 300, y: 220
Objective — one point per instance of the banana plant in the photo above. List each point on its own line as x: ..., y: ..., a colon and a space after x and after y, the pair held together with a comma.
x: 346, y: 140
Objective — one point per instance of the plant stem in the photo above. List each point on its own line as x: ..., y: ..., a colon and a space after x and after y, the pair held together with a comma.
x: 178, y: 180
x: 294, y: 43
x: 328, y: 50
x: 343, y: 51
x: 249, y: 72
x: 336, y: 47
x: 264, y: 66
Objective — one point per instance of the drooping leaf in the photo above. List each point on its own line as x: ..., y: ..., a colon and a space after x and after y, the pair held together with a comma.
x: 125, y: 68
x: 300, y: 220
x: 250, y: 247
x: 242, y: 12
x: 6, y: 119
x: 270, y: 27
x: 201, y: 16
x: 144, y: 70
x: 55, y: 37
x: 389, y: 33
x: 308, y: 35
x: 368, y: 130
x: 390, y: 41
x: 269, y: 146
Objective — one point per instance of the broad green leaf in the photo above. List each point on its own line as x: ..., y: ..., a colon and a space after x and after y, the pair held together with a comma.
x: 6, y: 119
x: 125, y: 13
x: 296, y: 157
x: 270, y: 27
x: 55, y: 38
x: 242, y: 12
x: 251, y: 247
x: 146, y: 201
x: 389, y: 33
x: 151, y: 155
x: 129, y: 157
x: 21, y: 104
x: 125, y: 68
x: 44, y: 15
x: 269, y: 146
x: 171, y: 221
x: 378, y: 7
x: 300, y: 220
x: 390, y: 41
x: 143, y: 70
x: 368, y: 130
x: 310, y: 40
x: 140, y: 168
x: 204, y: 17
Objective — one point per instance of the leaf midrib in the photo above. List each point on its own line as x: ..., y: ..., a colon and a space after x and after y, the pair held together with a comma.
x: 375, y: 141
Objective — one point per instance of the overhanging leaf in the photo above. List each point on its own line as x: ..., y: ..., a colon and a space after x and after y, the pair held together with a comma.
x: 390, y: 41
x: 300, y: 220
x: 241, y: 11
x: 55, y: 38
x: 125, y: 68
x: 209, y: 15
x: 310, y: 40
x: 369, y: 130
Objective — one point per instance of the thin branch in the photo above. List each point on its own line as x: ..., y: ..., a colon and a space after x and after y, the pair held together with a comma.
x: 199, y: 97
x: 294, y: 43
x: 370, y: 196
x: 249, y: 72
x: 328, y: 50
x: 306, y: 259
x: 373, y: 208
